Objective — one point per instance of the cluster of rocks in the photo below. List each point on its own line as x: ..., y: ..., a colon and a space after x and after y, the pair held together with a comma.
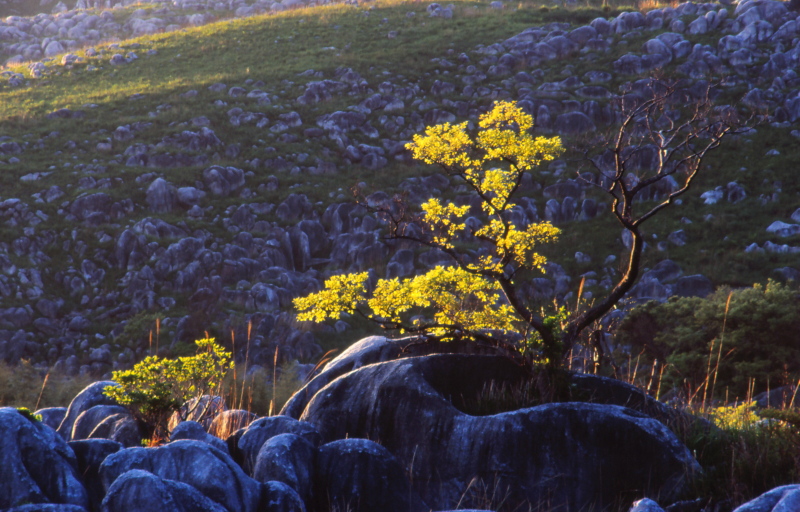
x: 125, y: 257
x: 317, y: 455
x: 26, y: 39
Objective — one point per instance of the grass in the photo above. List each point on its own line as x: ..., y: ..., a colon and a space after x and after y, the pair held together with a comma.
x: 27, y: 386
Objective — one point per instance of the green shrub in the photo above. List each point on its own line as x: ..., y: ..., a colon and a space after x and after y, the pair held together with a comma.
x: 731, y: 344
x: 28, y: 414
x: 155, y: 388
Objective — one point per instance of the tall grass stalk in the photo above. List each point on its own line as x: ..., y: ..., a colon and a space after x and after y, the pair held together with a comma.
x: 721, y: 341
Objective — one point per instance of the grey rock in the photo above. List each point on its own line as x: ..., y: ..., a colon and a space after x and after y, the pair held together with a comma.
x: 290, y: 459
x: 788, y: 274
x: 46, y: 507
x: 110, y: 422
x: 208, y: 470
x: 677, y: 238
x: 362, y: 476
x: 221, y: 181
x: 263, y: 429
x: 664, y: 271
x: 90, y: 453
x: 89, y: 397
x: 138, y: 490
x: 162, y: 197
x: 574, y: 123
x: 780, y: 499
x: 279, y: 497
x: 783, y: 229
x: 38, y: 466
x: 189, y: 196
x: 195, y: 431
x: 629, y: 64
x: 562, y: 462
x: 372, y: 349
x: 645, y: 505
x: 693, y: 286
x: 52, y: 416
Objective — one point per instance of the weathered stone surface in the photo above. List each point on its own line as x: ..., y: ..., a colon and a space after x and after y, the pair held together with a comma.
x: 362, y: 476
x: 290, y: 459
x: 780, y: 499
x: 140, y: 491
x: 262, y: 430
x: 52, y: 416
x: 37, y: 465
x: 89, y: 397
x: 162, y: 197
x: 111, y: 422
x: 210, y: 471
x: 693, y: 286
x: 372, y: 349
x: 195, y: 431
x: 408, y: 410
x: 90, y: 453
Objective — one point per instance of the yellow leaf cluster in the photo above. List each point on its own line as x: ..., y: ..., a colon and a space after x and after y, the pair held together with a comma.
x: 445, y: 219
x: 452, y: 298
x: 341, y: 294
x: 451, y: 295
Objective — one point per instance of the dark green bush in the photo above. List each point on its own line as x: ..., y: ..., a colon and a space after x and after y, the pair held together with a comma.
x: 754, y: 333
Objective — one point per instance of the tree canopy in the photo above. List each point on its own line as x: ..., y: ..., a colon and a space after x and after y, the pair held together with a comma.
x: 480, y: 296
x: 476, y: 294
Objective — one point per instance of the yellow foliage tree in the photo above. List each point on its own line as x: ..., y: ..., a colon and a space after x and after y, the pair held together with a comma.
x: 479, y: 296
x: 476, y: 295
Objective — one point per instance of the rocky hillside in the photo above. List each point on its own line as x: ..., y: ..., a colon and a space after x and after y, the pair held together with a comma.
x: 196, y: 178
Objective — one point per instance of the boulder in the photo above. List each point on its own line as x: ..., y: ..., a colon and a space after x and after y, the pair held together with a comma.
x: 208, y: 470
x: 290, y: 459
x: 249, y: 444
x: 372, y: 349
x: 37, y: 464
x: 645, y: 505
x: 90, y: 396
x: 140, y: 491
x: 52, y: 416
x: 360, y: 475
x: 46, y: 507
x: 107, y: 422
x: 558, y: 452
x: 90, y: 453
x: 693, y: 286
x: 221, y: 181
x: 162, y: 197
x: 784, y: 498
x: 195, y: 431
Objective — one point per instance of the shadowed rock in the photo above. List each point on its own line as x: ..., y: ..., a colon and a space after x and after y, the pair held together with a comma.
x: 141, y: 491
x: 574, y: 454
x: 90, y: 396
x: 37, y: 465
x: 290, y: 459
x: 263, y: 429
x: 210, y: 471
x: 362, y: 476
x: 90, y: 453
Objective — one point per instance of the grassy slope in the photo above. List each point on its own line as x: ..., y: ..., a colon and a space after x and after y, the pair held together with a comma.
x: 275, y: 49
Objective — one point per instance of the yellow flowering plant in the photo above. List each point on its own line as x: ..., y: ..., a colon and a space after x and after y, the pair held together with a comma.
x: 475, y: 295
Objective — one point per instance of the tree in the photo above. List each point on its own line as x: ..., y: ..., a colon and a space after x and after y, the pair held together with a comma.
x: 156, y: 387
x: 479, y: 297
